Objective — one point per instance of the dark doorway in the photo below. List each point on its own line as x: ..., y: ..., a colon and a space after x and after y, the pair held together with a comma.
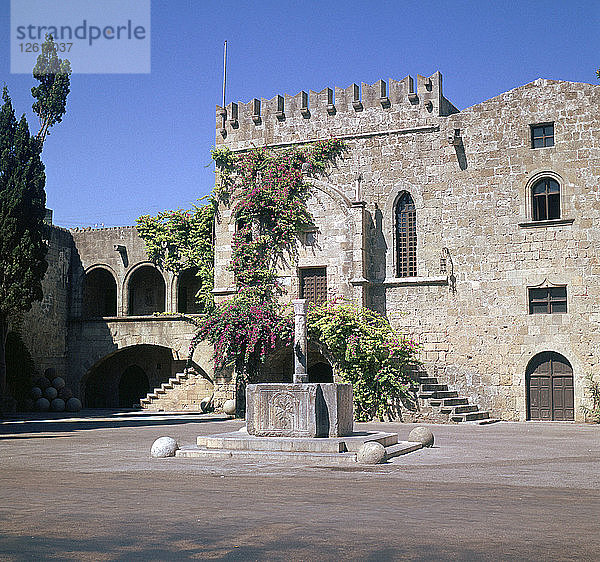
x: 99, y: 294
x: 132, y: 386
x: 146, y: 292
x: 188, y: 286
x: 549, y: 381
x: 320, y: 372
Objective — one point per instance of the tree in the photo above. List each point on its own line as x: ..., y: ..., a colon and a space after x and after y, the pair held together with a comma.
x: 22, y: 195
x: 53, y: 75
x: 22, y: 209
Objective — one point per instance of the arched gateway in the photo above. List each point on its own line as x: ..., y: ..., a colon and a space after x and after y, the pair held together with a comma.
x: 549, y: 380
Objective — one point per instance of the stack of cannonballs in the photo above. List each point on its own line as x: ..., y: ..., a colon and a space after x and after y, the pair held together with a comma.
x: 51, y: 393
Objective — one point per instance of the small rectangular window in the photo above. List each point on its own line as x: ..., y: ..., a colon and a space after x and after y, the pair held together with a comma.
x: 548, y: 300
x: 542, y: 135
x: 313, y: 284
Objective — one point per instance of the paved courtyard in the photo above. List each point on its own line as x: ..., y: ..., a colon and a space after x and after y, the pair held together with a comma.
x: 85, y: 489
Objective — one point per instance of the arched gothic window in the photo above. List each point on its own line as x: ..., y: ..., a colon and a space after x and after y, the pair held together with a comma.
x: 545, y: 195
x: 406, y: 237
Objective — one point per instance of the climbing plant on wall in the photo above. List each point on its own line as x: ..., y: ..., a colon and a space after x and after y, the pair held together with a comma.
x: 182, y: 239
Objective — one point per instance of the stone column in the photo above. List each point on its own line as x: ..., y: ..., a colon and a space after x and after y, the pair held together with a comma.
x: 300, y: 341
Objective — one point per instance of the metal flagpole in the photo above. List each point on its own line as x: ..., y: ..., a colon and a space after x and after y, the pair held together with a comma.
x: 224, y: 72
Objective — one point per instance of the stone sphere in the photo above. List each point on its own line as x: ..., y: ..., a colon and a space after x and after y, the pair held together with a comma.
x: 421, y: 435
x: 42, y: 382
x: 65, y: 393
x: 50, y: 393
x: 73, y: 405
x: 50, y: 373
x: 206, y: 404
x: 36, y: 392
x: 57, y: 405
x: 229, y: 407
x: 42, y: 405
x: 58, y: 383
x: 164, y: 447
x: 371, y: 453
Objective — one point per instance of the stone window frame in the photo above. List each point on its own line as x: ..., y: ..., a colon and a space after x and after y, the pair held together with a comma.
x: 411, y: 261
x: 564, y: 194
x: 542, y: 125
x: 552, y: 299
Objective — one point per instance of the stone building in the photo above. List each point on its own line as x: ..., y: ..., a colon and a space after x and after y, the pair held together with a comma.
x: 474, y: 231
x: 100, y: 324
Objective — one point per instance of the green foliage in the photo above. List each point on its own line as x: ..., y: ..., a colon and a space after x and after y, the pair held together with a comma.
x: 53, y: 75
x: 365, y: 351
x: 243, y: 330
x: 22, y: 210
x: 19, y: 368
x: 593, y: 388
x: 182, y: 239
x: 270, y: 193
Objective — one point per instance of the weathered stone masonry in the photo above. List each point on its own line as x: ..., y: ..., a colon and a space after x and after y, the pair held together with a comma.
x: 470, y: 175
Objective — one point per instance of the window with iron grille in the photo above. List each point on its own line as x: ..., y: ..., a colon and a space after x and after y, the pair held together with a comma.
x: 547, y: 300
x: 542, y: 135
x: 406, y: 237
x: 313, y: 284
x: 545, y: 196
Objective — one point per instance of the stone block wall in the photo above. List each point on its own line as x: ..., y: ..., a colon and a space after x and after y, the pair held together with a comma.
x: 470, y: 175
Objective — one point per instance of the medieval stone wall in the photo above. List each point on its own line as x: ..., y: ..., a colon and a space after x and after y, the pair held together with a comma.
x: 470, y: 175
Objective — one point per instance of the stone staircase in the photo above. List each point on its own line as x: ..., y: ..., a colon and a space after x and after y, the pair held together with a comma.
x: 432, y: 394
x: 184, y: 391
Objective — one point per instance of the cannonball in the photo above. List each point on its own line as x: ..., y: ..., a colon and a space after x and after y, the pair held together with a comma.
x: 206, y: 404
x: 36, y: 392
x: 58, y: 383
x: 164, y: 447
x: 371, y: 452
x: 229, y: 407
x: 421, y: 435
x: 42, y: 404
x: 50, y: 393
x: 50, y: 373
x: 42, y: 382
x: 73, y: 405
x: 57, y: 405
x: 65, y: 393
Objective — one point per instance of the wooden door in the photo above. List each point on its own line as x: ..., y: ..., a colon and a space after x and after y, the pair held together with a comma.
x: 313, y: 284
x: 550, y: 388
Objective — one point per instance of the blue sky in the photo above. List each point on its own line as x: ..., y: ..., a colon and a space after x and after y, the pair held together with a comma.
x: 139, y: 143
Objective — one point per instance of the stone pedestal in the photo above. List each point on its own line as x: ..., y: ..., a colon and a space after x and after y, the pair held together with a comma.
x: 299, y: 410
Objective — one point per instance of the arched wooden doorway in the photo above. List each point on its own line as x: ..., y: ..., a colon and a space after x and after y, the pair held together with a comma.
x: 549, y: 381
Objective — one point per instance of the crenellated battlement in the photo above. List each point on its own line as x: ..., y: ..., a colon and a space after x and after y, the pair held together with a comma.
x: 307, y: 116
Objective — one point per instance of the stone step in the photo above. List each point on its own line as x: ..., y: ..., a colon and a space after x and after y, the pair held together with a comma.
x: 445, y: 394
x: 433, y: 387
x: 470, y: 416
x: 459, y: 409
x: 428, y: 380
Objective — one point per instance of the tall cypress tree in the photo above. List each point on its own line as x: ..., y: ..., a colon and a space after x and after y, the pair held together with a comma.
x: 22, y: 209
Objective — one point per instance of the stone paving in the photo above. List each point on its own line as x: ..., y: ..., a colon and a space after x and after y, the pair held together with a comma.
x: 86, y: 488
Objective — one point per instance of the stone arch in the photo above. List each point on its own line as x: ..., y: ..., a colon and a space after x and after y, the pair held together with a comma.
x: 388, y: 223
x: 100, y: 386
x: 185, y: 287
x: 535, y: 177
x: 145, y: 288
x: 99, y: 291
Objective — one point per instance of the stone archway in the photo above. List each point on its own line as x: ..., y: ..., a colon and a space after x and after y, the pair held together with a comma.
x: 113, y: 381
x: 549, y: 384
x: 133, y: 385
